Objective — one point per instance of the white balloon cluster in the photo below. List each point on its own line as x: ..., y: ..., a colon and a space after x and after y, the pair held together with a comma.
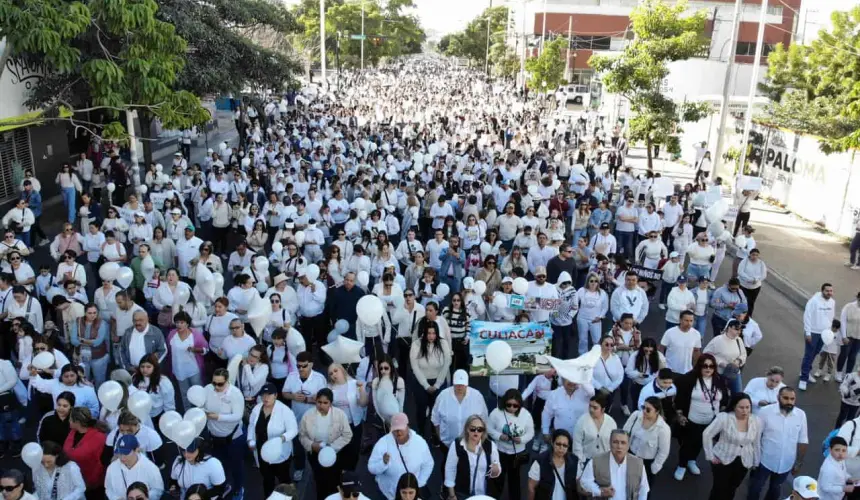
x: 184, y: 429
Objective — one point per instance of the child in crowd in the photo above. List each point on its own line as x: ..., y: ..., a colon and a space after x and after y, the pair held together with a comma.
x: 829, y: 353
x: 671, y: 271
x: 833, y: 480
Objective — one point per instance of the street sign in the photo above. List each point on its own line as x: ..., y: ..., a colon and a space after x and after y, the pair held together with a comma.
x: 357, y: 37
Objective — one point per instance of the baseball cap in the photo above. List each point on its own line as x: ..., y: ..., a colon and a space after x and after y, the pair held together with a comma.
x: 399, y: 422
x: 806, y: 487
x: 461, y: 377
x: 540, y: 271
x: 268, y: 388
x: 682, y: 278
x: 189, y: 227
x: 139, y: 214
x: 289, y: 224
x: 673, y: 255
x: 126, y: 445
x: 349, y: 482
x: 176, y: 211
x: 507, y: 279
x: 605, y: 225
x: 740, y: 309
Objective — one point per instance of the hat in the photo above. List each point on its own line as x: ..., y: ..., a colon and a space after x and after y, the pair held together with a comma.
x: 210, y: 151
x: 268, y: 388
x: 806, y: 487
x: 176, y: 211
x: 605, y: 225
x: 741, y: 308
x: 126, y: 445
x: 280, y: 278
x: 302, y: 272
x: 461, y: 377
x: 399, y: 422
x: 507, y: 279
x: 289, y: 224
x: 189, y: 227
x: 139, y: 214
x: 349, y: 482
x: 673, y: 255
x: 682, y: 278
x: 177, y: 154
x: 541, y: 270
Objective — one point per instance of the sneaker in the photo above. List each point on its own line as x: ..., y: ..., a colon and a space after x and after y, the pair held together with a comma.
x: 680, y: 472
x: 812, y: 379
x: 839, y: 377
x: 801, y: 385
x: 297, y: 475
x: 815, y: 375
x: 625, y: 410
x: 693, y: 468
x: 826, y: 378
x: 849, y: 264
x: 855, y: 267
x: 662, y: 307
x: 44, y: 243
x: 536, y: 445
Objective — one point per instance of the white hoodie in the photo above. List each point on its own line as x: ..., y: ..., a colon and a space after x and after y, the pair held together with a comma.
x: 118, y: 477
x: 818, y: 314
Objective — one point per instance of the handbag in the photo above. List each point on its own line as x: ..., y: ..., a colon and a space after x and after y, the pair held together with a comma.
x: 731, y: 372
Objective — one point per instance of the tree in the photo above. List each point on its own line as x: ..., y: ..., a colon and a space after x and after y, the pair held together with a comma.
x: 546, y: 71
x: 664, y: 33
x: 814, y: 88
x: 471, y: 43
x: 101, y: 56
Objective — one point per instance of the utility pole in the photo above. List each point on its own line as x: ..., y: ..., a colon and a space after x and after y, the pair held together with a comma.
x: 322, y: 43
x: 724, y: 106
x: 525, y: 48
x: 753, y: 83
x: 487, y: 56
x: 337, y: 59
x: 362, y: 36
x: 567, y: 57
x: 543, y: 30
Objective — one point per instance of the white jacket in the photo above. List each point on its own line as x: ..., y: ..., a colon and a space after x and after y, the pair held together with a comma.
x: 652, y: 443
x: 118, y: 477
x: 356, y: 411
x: 678, y: 301
x: 282, y: 425
x: 818, y: 314
x: 521, y: 426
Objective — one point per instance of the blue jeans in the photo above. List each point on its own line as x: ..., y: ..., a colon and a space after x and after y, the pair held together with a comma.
x: 69, y: 202
x: 759, y: 477
x: 625, y: 241
x: 25, y: 237
x: 585, y: 329
x: 578, y: 233
x: 847, y: 356
x: 700, y: 323
x: 811, y: 348
x: 96, y: 370
x: 698, y: 270
x: 10, y: 429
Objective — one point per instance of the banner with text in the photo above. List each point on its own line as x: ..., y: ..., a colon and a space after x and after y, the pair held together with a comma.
x: 531, y: 343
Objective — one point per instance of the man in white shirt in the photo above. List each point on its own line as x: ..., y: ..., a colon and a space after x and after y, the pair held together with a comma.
x: 764, y: 391
x: 610, y: 480
x: 626, y: 218
x: 817, y: 318
x: 131, y: 467
x: 681, y: 345
x: 453, y: 406
x: 349, y: 488
x: 539, y: 288
x: 565, y: 404
x: 301, y: 388
x: 312, y: 295
x: 603, y: 242
x: 140, y: 340
x: 630, y: 298
x: 672, y: 213
x: 396, y: 453
x: 784, y: 441
x: 540, y: 256
x: 187, y: 249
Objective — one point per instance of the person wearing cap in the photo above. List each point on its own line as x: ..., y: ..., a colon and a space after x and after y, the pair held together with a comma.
x: 348, y: 488
x: 679, y: 299
x: 454, y: 406
x: 176, y: 224
x: 225, y: 406
x: 325, y: 426
x: 784, y: 442
x: 630, y: 298
x: 561, y: 319
x: 131, y: 466
x: 723, y: 301
x: 196, y: 468
x: 272, y: 419
x: 804, y: 488
x: 187, y: 250
x: 139, y: 232
x: 603, y: 242
x: 731, y: 354
x: 541, y: 289
x: 398, y: 452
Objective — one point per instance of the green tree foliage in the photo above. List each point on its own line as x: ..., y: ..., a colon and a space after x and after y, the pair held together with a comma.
x: 548, y: 66
x: 663, y: 34
x: 815, y: 89
x: 105, y: 56
x: 471, y: 43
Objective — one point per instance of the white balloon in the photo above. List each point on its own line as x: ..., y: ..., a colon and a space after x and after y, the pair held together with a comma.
x: 716, y: 228
x: 110, y: 394
x: 108, y: 271
x: 299, y: 237
x: 717, y: 211
x: 111, y: 187
x: 468, y: 282
x: 159, y: 167
x: 197, y: 395
x: 370, y: 309
x: 142, y: 188
x: 139, y: 404
x: 500, y: 300
x: 344, y: 350
x: 313, y: 272
x: 261, y: 264
x: 433, y: 149
x: 388, y: 406
x: 295, y: 342
x: 363, y: 278
x: 261, y: 286
x: 246, y: 162
x: 271, y: 450
x: 418, y: 158
x: 147, y: 266
x: 181, y: 296
x: 197, y: 417
x: 184, y: 434
x: 327, y: 456
x: 259, y: 311
x: 499, y: 355
x: 31, y: 454
x: 167, y: 421
x: 203, y: 277
x: 218, y: 278
x: 479, y: 287
x: 43, y: 360
x: 124, y: 277
x: 443, y: 290
x: 277, y: 248
x: 521, y: 286
x: 486, y: 248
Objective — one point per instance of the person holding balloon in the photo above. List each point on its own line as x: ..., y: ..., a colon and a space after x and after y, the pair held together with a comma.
x: 149, y: 441
x: 225, y: 407
x: 171, y: 293
x: 271, y: 430
x: 324, y: 432
x: 148, y: 379
x: 351, y: 397
x: 69, y: 381
x: 54, y: 475
x: 195, y: 469
x: 130, y: 467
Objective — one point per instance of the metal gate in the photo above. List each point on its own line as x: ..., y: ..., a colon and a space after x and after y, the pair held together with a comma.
x: 15, y: 157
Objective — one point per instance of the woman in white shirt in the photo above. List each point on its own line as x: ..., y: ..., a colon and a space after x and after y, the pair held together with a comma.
x: 702, y: 256
x: 57, y: 477
x: 592, y: 304
x: 112, y: 249
x: 738, y: 448
x: 272, y: 420
x: 335, y: 265
x: 218, y: 324
x: 166, y: 298
x: 731, y: 354
x: 429, y: 358
x: 351, y: 397
x: 238, y: 343
x: 148, y: 378
x: 187, y: 347
x: 281, y: 361
x: 608, y: 373
x: 67, y: 269
x: 511, y: 426
x: 386, y: 383
x: 650, y: 436
x: 253, y: 374
x: 643, y: 366
x: 592, y: 431
x: 115, y: 224
x: 139, y: 232
x: 280, y: 318
x: 479, y: 456
x: 194, y: 466
x: 553, y: 476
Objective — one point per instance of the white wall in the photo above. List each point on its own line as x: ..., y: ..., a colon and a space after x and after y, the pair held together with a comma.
x: 15, y: 82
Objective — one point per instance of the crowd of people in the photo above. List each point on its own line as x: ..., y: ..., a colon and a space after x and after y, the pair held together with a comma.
x: 434, y: 202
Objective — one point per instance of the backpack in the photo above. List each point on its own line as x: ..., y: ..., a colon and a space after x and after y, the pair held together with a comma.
x: 825, y: 446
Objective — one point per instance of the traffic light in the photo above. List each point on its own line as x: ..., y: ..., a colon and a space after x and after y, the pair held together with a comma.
x: 376, y: 40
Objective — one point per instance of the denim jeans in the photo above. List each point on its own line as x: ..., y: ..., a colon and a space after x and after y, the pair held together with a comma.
x: 700, y: 323
x: 625, y: 242
x: 759, y: 477
x: 811, y: 348
x: 69, y: 202
x: 10, y: 429
x: 96, y: 370
x: 186, y: 384
x: 698, y: 270
x: 847, y: 356
x: 585, y: 328
x: 854, y: 248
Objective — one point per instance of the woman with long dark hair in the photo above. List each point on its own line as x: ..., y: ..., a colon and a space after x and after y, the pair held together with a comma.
x: 54, y: 425
x: 57, y: 477
x: 407, y: 487
x: 84, y: 445
x: 511, y: 426
x: 68, y: 381
x: 429, y: 358
x: 643, y: 366
x: 737, y: 449
x: 701, y: 395
x: 148, y: 378
x: 195, y: 467
x: 457, y: 317
x: 554, y: 470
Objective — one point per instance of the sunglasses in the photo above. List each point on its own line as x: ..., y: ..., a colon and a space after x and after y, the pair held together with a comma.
x: 709, y: 365
x: 15, y: 258
x: 351, y: 494
x: 9, y: 489
x: 384, y: 369
x: 303, y: 365
x: 476, y: 429
x: 219, y: 384
x: 593, y: 281
x: 512, y: 405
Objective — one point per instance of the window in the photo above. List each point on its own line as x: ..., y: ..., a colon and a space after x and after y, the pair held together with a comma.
x: 748, y: 49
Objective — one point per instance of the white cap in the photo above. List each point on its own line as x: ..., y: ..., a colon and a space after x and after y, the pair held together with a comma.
x: 806, y: 487
x: 673, y: 255
x: 461, y: 377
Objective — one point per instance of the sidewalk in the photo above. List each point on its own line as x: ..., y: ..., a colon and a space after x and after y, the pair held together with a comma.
x: 800, y: 257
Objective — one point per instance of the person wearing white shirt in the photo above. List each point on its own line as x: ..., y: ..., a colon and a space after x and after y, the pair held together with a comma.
x: 472, y: 462
x: 131, y: 467
x: 187, y: 249
x: 195, y: 466
x: 454, y: 406
x: 511, y: 427
x: 539, y: 288
x: 237, y: 343
x: 301, y: 388
x: 649, y: 221
x: 312, y: 296
x: 606, y: 476
x: 608, y: 372
x: 833, y: 479
x: 764, y: 391
x: 650, y: 436
x: 738, y: 435
x: 539, y: 256
x: 439, y: 212
x: 603, y: 242
x: 630, y: 298
x: 784, y: 440
x: 681, y: 344
x: 400, y: 451
x: 661, y: 387
x: 280, y: 424
x: 592, y: 430
x: 225, y: 407
x: 564, y: 406
x: 626, y: 217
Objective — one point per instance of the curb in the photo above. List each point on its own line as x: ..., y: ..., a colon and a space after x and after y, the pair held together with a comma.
x: 781, y: 283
